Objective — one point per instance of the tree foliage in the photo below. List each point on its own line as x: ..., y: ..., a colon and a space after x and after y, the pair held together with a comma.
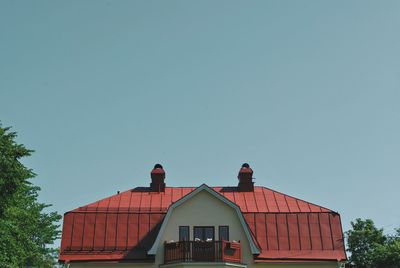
x: 26, y: 229
x: 13, y: 174
x: 371, y: 248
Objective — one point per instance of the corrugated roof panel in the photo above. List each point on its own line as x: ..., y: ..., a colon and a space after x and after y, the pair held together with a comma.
x: 260, y: 200
x: 240, y: 201
x: 299, y: 246
x: 166, y: 199
x: 100, y: 231
x: 155, y: 202
x: 271, y: 201
x: 325, y: 231
x: 261, y: 230
x: 114, y: 202
x: 304, y: 207
x: 283, y: 239
x: 250, y: 201
x: 314, y: 208
x: 103, y: 204
x: 215, y: 188
x: 305, y: 238
x: 92, y: 206
x: 186, y: 190
x: 316, y: 241
x: 281, y: 201
x: 144, y: 225
x: 67, y: 231
x: 88, y: 231
x: 272, y: 232
x: 294, y: 239
x: 336, y: 231
x: 77, y: 231
x: 228, y: 195
x: 146, y: 201
x: 133, y: 230
x: 125, y: 201
x: 111, y: 231
x: 176, y: 194
x: 250, y: 219
x: 292, y: 203
x: 155, y: 219
x: 122, y: 231
x: 136, y: 200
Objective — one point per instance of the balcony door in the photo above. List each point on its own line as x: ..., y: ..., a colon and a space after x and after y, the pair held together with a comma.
x: 203, y: 246
x: 203, y: 233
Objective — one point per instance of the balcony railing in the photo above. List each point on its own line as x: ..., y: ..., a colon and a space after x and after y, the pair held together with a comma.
x: 202, y: 251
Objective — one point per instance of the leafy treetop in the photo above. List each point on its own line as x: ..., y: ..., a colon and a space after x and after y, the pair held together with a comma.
x: 25, y: 229
x: 371, y: 248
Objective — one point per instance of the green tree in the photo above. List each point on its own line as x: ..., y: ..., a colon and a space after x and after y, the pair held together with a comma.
x: 388, y: 254
x: 13, y: 174
x: 370, y: 248
x: 26, y: 230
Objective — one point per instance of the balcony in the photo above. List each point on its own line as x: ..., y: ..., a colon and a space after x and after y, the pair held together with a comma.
x: 202, y: 251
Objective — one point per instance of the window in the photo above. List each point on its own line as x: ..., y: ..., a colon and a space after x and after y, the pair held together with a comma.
x: 203, y: 233
x: 223, y: 233
x: 184, y: 233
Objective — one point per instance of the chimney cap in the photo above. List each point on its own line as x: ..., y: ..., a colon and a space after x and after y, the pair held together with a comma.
x: 158, y: 166
x: 245, y: 177
x: 245, y: 165
x: 245, y: 168
x: 157, y: 179
x: 158, y: 169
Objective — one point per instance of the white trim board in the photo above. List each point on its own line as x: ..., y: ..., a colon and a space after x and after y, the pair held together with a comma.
x: 253, y: 247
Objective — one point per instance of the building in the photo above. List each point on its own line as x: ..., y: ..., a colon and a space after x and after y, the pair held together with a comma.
x: 167, y: 227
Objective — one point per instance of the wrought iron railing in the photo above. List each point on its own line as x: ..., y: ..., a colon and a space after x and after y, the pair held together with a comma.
x: 202, y: 251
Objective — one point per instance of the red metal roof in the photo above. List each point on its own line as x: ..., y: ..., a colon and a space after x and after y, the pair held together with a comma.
x: 300, y: 236
x: 261, y: 200
x: 124, y: 226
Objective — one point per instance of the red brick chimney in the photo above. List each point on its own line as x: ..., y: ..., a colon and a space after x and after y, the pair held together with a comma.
x: 157, y: 179
x: 245, y: 177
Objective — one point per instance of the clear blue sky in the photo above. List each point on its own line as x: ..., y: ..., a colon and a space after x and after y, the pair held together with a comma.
x: 307, y: 92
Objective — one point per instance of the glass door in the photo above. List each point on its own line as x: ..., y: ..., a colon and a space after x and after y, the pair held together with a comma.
x: 203, y: 245
x: 203, y: 233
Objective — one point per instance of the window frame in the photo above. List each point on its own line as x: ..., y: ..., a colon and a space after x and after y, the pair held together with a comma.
x: 188, y: 232
x: 219, y: 231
